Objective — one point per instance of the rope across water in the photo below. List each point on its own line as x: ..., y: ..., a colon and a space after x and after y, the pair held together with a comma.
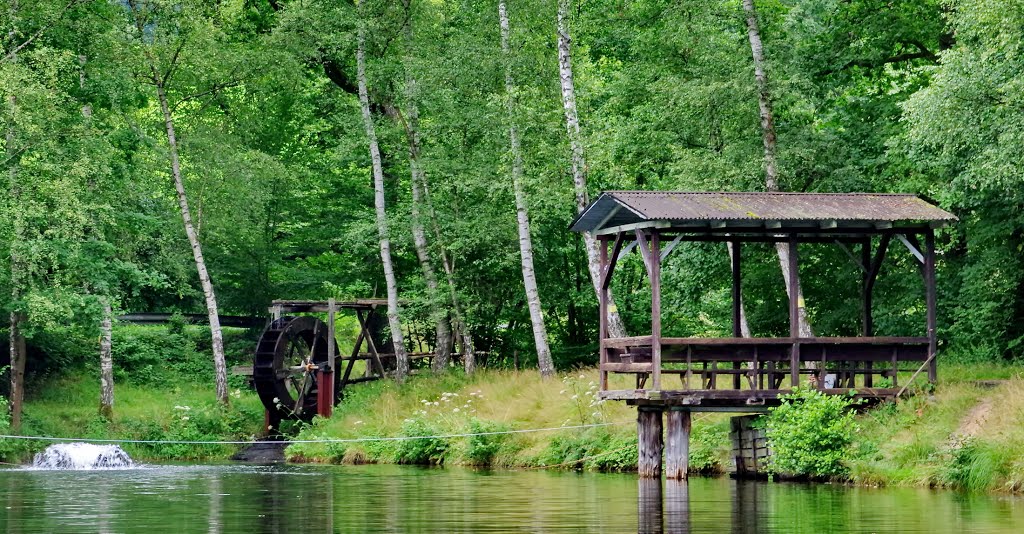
x: 324, y: 440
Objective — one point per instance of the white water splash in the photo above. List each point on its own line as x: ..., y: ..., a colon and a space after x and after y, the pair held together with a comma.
x: 82, y: 456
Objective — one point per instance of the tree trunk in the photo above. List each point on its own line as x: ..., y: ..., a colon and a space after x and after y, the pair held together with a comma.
x: 547, y: 367
x: 402, y: 368
x: 17, y: 339
x: 106, y: 363
x: 220, y: 369
x: 579, y: 165
x: 443, y: 345
x: 768, y: 135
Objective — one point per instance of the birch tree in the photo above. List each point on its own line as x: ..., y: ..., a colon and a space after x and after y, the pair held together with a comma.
x: 394, y: 322
x: 17, y: 316
x: 540, y: 337
x: 159, y: 72
x: 410, y: 124
x: 770, y: 141
x: 106, y: 362
x: 579, y: 165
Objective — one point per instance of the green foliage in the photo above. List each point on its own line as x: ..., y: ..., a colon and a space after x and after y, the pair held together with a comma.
x: 810, y: 434
x: 423, y: 451
x: 482, y: 447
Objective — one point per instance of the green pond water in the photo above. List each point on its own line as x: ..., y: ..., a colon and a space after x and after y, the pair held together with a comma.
x: 234, y: 498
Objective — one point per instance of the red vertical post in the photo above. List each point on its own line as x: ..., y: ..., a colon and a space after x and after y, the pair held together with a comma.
x: 603, y: 310
x: 325, y: 383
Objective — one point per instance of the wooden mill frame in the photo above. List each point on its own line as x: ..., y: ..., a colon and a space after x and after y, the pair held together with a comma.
x: 364, y: 310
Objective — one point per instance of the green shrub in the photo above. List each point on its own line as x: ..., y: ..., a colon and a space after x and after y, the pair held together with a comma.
x: 480, y: 450
x: 423, y: 451
x: 810, y: 434
x: 707, y: 443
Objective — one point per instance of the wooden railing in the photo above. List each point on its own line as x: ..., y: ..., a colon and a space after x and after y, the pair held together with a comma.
x: 765, y: 363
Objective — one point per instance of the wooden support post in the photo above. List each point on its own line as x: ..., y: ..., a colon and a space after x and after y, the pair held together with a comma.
x: 737, y: 305
x: 865, y: 317
x: 603, y: 311
x: 794, y: 312
x: 656, y: 311
x: 737, y: 292
x: 929, y: 276
x: 677, y: 444
x: 649, y: 440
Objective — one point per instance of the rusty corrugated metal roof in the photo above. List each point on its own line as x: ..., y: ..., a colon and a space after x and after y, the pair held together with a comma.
x: 615, y: 208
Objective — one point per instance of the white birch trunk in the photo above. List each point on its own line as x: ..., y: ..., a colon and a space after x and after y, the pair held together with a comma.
x: 402, y: 367
x: 106, y: 363
x: 443, y: 345
x: 547, y: 367
x: 220, y: 368
x: 579, y: 178
x: 17, y: 339
x: 769, y: 139
x: 461, y: 327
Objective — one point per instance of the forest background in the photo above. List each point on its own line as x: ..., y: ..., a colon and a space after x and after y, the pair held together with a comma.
x: 114, y: 111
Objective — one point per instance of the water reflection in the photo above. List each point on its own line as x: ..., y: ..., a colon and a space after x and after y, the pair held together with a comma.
x: 404, y: 499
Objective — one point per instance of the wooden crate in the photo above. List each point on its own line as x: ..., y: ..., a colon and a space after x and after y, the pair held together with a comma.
x: 749, y: 446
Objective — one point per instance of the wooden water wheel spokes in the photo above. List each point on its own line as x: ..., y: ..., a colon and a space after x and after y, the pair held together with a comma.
x: 285, y: 367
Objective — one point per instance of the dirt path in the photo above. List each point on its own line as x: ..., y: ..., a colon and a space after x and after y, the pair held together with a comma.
x: 972, y: 423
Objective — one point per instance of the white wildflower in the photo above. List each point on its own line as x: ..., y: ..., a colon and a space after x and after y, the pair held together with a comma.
x: 358, y: 423
x: 456, y: 410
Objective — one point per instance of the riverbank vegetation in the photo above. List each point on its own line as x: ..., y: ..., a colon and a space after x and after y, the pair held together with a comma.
x: 965, y: 435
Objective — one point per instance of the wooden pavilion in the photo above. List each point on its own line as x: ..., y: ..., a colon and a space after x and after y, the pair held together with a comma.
x: 747, y: 374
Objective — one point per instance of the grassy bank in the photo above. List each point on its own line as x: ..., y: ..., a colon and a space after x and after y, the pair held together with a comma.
x: 965, y: 435
x: 495, y: 401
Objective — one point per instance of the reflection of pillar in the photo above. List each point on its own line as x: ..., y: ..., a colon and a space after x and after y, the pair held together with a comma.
x: 677, y: 506
x: 745, y: 507
x: 649, y: 442
x: 213, y: 520
x: 329, y: 509
x: 649, y: 506
x: 677, y: 444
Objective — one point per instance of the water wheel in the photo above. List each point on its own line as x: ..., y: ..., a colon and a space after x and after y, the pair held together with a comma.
x: 289, y: 353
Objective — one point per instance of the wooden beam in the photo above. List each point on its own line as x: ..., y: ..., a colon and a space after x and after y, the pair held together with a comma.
x: 609, y: 270
x: 645, y: 250
x: 913, y: 250
x: 646, y: 225
x: 671, y: 246
x: 625, y: 250
x: 655, y: 258
x: 794, y: 310
x: 737, y: 292
x: 930, y: 302
x: 603, y: 310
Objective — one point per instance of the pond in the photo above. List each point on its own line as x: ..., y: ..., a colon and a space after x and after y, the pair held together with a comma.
x: 378, y: 498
